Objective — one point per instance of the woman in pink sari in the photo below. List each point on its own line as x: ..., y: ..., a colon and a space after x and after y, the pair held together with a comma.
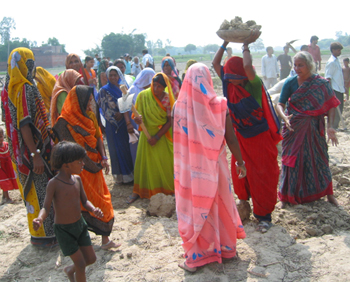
x: 208, y: 220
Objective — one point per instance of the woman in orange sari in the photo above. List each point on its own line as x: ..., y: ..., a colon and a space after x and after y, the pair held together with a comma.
x: 65, y: 82
x: 77, y: 123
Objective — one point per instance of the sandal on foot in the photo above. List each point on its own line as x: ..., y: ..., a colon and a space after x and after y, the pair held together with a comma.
x: 132, y: 199
x: 110, y: 245
x: 263, y: 226
x: 184, y: 266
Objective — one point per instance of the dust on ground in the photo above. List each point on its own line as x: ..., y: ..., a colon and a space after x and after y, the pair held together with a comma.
x: 309, y: 242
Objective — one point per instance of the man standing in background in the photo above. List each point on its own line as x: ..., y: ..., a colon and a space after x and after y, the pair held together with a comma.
x: 147, y: 60
x: 315, y: 52
x: 334, y: 75
x: 269, y: 68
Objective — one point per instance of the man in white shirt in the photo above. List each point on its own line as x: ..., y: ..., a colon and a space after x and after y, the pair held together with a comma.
x: 269, y: 68
x: 136, y: 67
x: 147, y: 60
x: 334, y: 74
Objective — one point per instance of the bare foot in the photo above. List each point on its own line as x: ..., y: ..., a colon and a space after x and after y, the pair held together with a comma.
x: 184, y: 266
x: 69, y: 270
x: 332, y: 200
x: 110, y: 245
x: 281, y: 205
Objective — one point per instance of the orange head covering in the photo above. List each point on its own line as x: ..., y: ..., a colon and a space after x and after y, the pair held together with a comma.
x: 80, y: 65
x: 65, y: 82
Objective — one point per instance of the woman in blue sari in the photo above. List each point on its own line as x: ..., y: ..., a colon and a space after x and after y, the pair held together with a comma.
x: 117, y: 127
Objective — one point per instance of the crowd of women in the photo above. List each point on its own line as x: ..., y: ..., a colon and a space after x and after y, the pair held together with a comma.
x: 184, y: 153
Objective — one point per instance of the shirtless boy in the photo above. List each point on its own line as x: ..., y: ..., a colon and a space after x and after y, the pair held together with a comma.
x: 66, y: 192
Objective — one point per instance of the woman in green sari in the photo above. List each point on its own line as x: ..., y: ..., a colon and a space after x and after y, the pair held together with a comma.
x: 154, y: 166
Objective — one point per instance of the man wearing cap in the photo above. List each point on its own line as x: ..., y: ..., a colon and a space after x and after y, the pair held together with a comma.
x: 127, y: 64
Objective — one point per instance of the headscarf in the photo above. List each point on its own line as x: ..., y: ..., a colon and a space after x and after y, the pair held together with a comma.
x: 23, y: 111
x: 234, y: 69
x: 20, y: 71
x: 170, y: 91
x: 159, y: 79
x: 81, y: 66
x: 171, y: 62
x: 120, y: 74
x: 80, y: 127
x: 189, y: 63
x: 199, y: 130
x: 65, y: 82
x: 45, y: 83
x: 200, y: 112
x: 143, y: 79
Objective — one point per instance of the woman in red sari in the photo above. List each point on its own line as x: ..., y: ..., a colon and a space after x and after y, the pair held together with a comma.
x: 257, y: 129
x: 306, y: 176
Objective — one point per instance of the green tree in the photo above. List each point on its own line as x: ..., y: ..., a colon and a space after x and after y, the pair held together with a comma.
x: 190, y: 48
x: 210, y: 48
x: 91, y: 52
x: 159, y: 44
x: 15, y: 43
x: 54, y: 42
x: 6, y: 25
x: 115, y: 45
x: 139, y: 41
x: 257, y: 45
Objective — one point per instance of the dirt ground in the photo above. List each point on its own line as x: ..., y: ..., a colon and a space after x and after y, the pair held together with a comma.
x: 309, y: 242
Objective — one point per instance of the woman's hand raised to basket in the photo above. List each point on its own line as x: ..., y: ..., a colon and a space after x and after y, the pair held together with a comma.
x: 254, y: 35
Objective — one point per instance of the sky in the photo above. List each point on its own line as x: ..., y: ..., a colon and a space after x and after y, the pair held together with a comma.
x: 81, y: 25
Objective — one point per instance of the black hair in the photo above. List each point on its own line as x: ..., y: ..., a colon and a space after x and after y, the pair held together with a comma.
x: 117, y: 61
x: 145, y: 51
x: 346, y: 60
x: 314, y: 37
x: 2, y: 130
x: 304, y: 47
x: 335, y: 46
x: 160, y: 79
x: 66, y: 152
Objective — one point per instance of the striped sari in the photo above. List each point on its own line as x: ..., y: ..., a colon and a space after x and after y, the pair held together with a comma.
x: 305, y: 175
x: 208, y: 220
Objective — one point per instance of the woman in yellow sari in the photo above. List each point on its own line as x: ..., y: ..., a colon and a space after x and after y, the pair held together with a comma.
x: 45, y: 83
x: 78, y: 123
x: 28, y: 138
x: 154, y: 165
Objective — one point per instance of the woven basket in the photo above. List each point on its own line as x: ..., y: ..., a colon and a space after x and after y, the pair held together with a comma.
x: 234, y: 35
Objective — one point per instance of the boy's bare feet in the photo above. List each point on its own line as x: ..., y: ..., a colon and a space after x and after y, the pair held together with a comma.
x: 69, y: 270
x: 332, y: 200
x: 281, y: 205
x: 110, y: 245
x: 184, y: 266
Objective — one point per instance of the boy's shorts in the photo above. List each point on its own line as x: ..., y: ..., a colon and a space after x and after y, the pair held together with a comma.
x: 72, y: 236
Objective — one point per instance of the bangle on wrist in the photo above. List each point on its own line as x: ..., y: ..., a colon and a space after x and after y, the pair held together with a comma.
x: 156, y: 136
x: 246, y: 50
x: 236, y: 163
x: 36, y: 152
x: 104, y: 158
x: 223, y: 47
